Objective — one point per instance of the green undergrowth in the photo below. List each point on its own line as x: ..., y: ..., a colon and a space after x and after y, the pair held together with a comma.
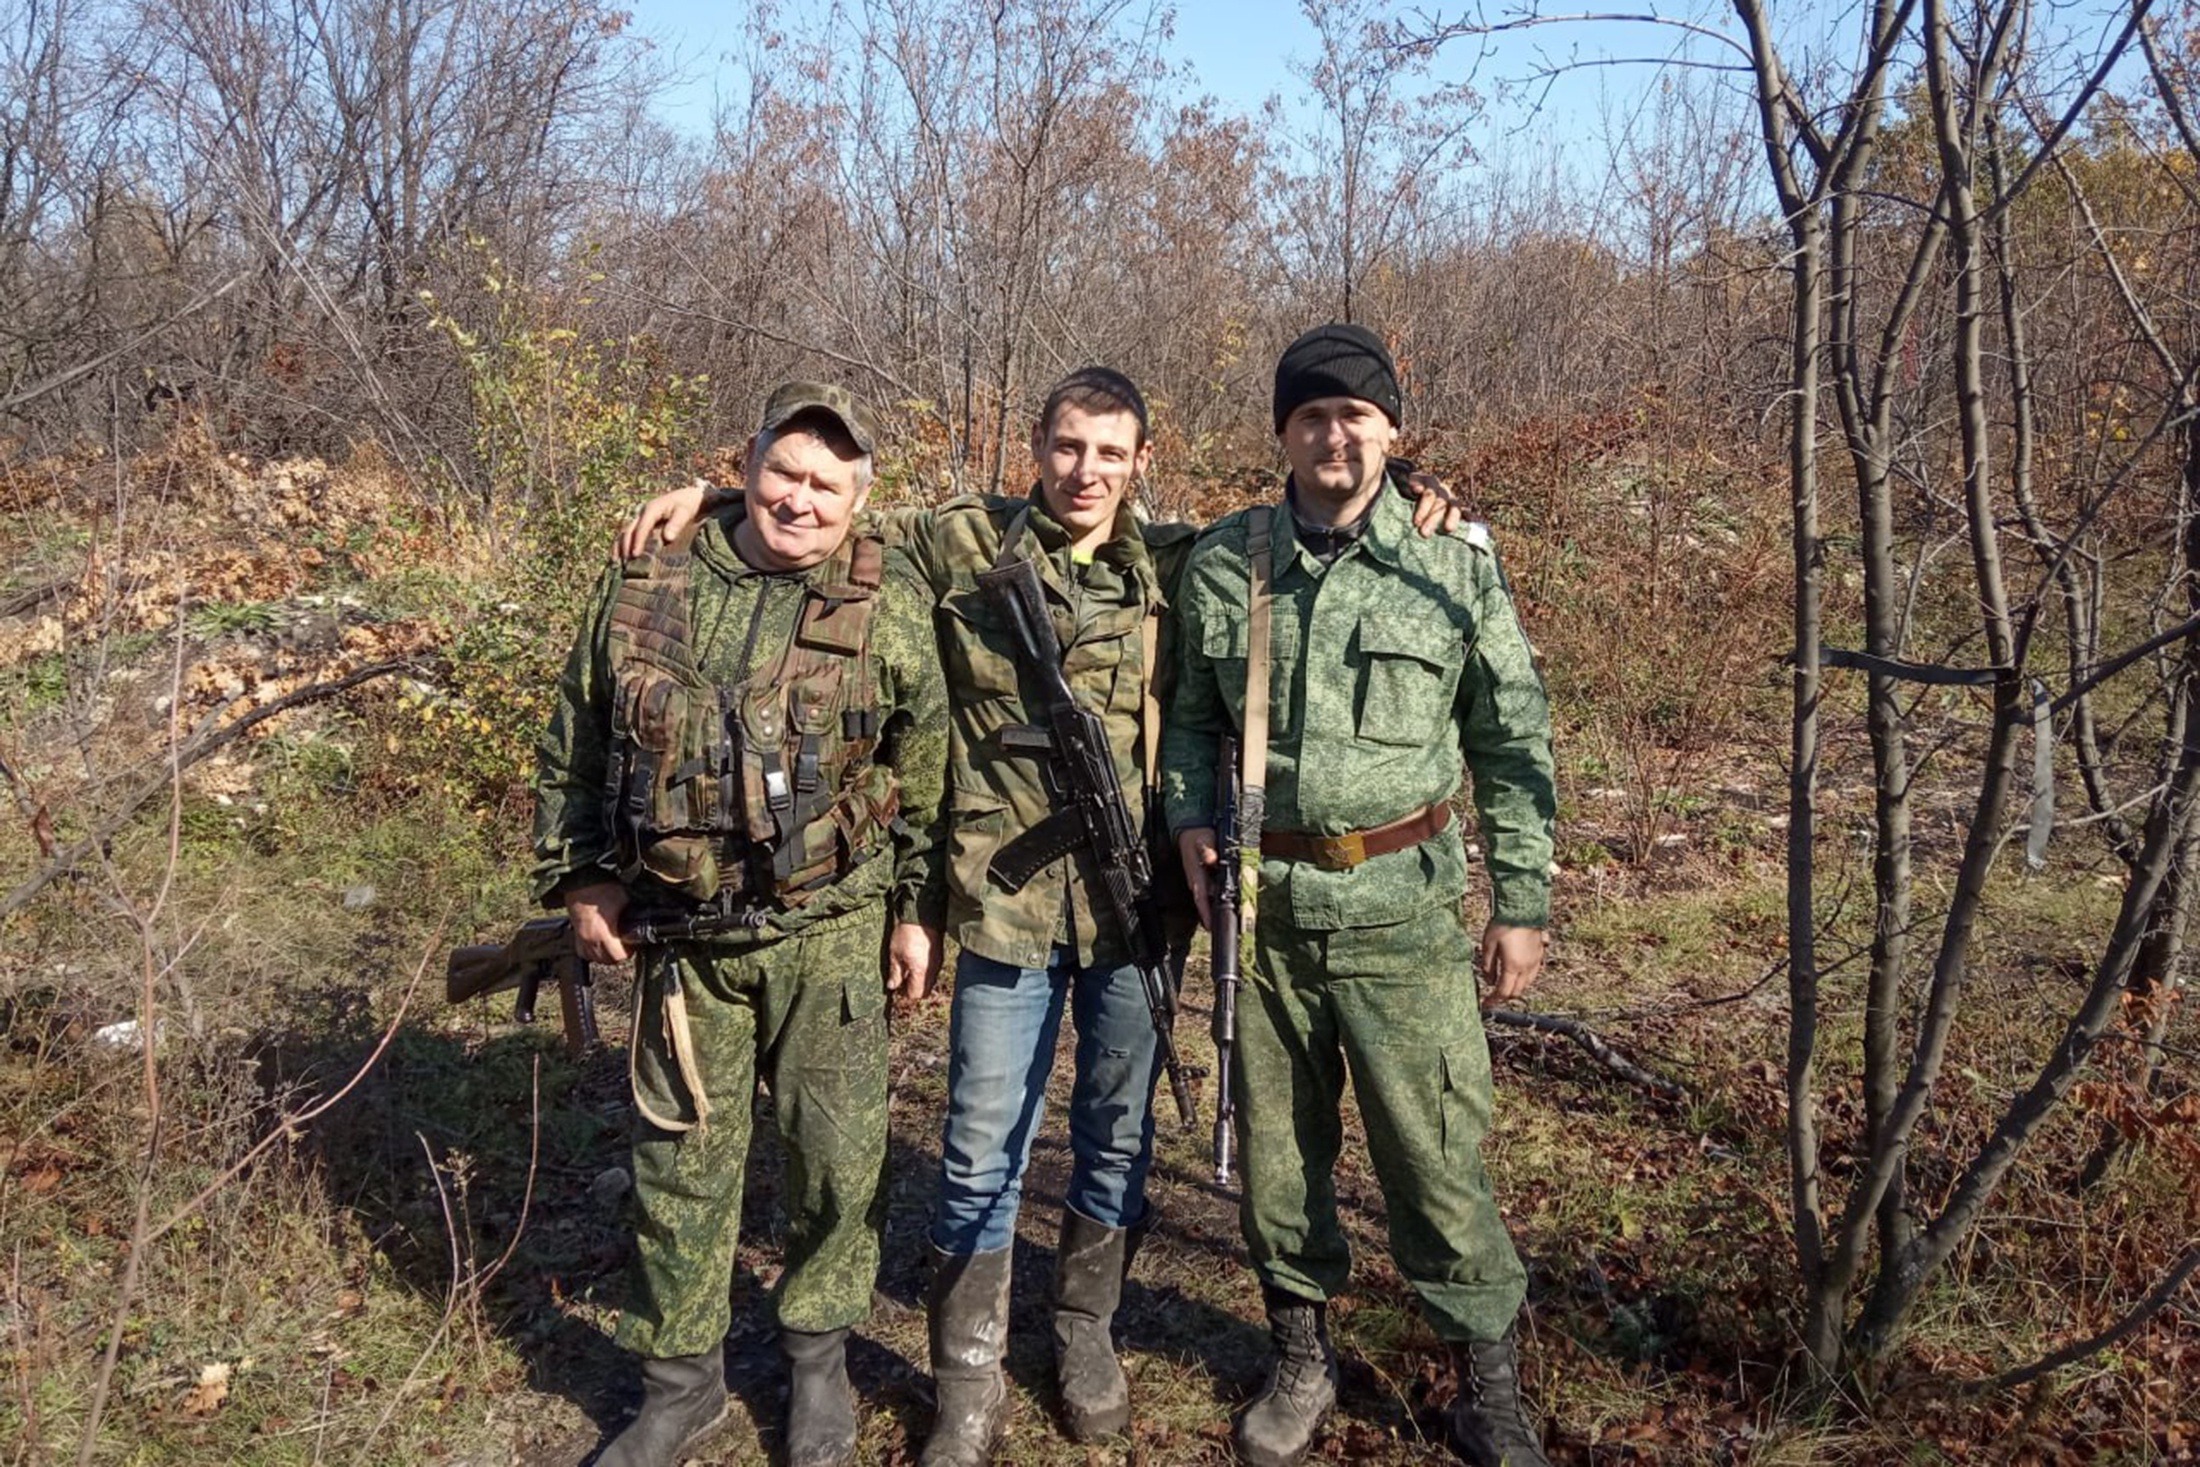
x: 429, y: 1271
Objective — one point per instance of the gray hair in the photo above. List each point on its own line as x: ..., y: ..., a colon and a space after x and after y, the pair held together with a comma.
x: 826, y: 429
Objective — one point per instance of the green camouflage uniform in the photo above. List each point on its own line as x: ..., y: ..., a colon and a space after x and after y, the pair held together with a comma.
x: 802, y: 999
x: 1388, y: 667
x: 1100, y: 610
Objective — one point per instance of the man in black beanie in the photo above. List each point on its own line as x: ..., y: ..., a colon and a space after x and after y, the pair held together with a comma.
x: 1337, y: 360
x: 1378, y: 663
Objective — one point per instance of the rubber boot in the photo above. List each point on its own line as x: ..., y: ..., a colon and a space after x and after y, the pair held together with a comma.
x: 1489, y: 1425
x: 1088, y: 1284
x: 968, y: 1315
x: 821, y: 1405
x: 684, y: 1401
x: 1277, y: 1429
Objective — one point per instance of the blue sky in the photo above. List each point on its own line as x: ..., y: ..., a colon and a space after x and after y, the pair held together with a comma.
x: 1240, y: 51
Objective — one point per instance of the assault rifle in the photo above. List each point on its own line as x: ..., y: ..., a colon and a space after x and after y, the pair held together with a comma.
x: 540, y: 949
x: 1089, y: 807
x: 543, y: 948
x: 1224, y: 909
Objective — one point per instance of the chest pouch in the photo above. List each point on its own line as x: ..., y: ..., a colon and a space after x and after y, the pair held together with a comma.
x: 667, y: 794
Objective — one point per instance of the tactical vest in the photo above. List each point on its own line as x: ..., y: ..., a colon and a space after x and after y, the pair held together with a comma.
x: 760, y: 794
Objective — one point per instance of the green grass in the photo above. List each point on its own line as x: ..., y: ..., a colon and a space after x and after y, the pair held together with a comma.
x: 234, y: 618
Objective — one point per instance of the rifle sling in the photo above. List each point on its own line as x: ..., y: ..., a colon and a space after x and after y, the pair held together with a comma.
x: 1253, y: 802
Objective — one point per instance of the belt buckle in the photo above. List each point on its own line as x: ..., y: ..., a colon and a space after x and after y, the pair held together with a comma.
x: 1341, y: 852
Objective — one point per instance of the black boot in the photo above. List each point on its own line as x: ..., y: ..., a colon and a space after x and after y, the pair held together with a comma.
x: 968, y: 1317
x: 1489, y: 1425
x: 1277, y: 1429
x: 683, y: 1401
x: 821, y: 1405
x: 1088, y: 1284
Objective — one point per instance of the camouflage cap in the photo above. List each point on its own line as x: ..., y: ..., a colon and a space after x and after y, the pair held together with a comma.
x: 790, y: 399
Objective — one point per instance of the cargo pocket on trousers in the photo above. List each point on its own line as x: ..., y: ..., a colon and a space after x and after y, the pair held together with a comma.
x: 1459, y: 1142
x: 863, y: 994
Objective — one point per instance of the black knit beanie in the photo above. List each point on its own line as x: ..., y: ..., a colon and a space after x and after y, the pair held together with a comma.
x: 1336, y: 360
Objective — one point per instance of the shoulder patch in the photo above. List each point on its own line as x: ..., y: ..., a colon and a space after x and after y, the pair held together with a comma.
x: 1477, y: 534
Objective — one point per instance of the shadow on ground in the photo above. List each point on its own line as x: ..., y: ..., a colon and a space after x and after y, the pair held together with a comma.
x: 453, y: 1135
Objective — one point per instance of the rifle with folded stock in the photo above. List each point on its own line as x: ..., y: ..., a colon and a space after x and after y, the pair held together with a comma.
x: 1089, y: 808
x: 1225, y: 909
x: 543, y: 948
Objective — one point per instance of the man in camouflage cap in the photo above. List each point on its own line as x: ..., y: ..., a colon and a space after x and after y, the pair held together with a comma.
x: 1388, y: 657
x: 751, y: 726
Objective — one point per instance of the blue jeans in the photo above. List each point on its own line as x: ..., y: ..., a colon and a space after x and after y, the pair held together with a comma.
x: 1001, y: 1036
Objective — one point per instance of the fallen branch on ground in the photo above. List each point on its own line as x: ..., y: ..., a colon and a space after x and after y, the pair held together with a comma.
x: 30, y: 597
x: 1588, y: 1038
x: 203, y: 741
x: 2123, y: 1329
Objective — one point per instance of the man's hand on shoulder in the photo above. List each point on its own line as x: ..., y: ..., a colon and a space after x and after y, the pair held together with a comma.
x: 1438, y: 509
x: 1511, y: 958
x: 667, y: 517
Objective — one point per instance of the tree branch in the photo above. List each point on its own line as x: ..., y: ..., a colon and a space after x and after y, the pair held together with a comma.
x: 202, y: 743
x: 1588, y: 1038
x: 2123, y: 1329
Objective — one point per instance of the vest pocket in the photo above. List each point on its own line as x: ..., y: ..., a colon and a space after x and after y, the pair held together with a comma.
x: 1225, y: 642
x: 662, y: 792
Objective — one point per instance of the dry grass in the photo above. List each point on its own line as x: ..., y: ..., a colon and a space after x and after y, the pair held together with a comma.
x: 345, y: 1280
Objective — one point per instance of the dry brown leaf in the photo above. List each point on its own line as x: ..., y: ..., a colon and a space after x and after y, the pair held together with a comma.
x: 205, y: 1398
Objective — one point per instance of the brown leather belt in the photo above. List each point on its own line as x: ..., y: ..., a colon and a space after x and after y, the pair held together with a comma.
x: 1343, y: 852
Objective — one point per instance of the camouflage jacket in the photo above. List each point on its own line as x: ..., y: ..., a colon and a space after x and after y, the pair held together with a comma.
x: 1100, y: 609
x: 1388, y: 668
x: 573, y: 841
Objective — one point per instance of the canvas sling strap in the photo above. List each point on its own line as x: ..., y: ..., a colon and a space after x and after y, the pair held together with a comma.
x: 679, y: 1039
x: 1253, y: 776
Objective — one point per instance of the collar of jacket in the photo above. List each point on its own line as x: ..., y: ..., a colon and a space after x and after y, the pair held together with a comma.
x: 713, y: 546
x: 1389, y: 523
x: 1124, y: 549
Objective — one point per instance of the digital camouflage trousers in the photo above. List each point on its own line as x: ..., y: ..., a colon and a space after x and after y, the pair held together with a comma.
x: 807, y: 1013
x: 1393, y: 1007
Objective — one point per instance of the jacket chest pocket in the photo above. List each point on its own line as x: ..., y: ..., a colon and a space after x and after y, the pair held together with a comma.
x: 1408, y: 675
x: 1225, y: 641
x: 975, y: 650
x: 1107, y: 663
